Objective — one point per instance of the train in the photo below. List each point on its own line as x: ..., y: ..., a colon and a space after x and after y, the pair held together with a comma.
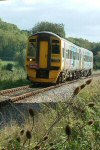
x: 53, y: 59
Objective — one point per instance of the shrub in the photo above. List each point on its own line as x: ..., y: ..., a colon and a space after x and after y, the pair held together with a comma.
x: 9, y: 67
x: 20, y: 58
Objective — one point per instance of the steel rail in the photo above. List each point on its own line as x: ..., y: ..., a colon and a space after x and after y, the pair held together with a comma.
x: 37, y: 91
x: 17, y: 98
x: 2, y: 92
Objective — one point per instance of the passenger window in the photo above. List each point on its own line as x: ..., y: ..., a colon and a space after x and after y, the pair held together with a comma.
x: 71, y: 55
x: 55, y: 49
x: 66, y: 53
x: 74, y: 55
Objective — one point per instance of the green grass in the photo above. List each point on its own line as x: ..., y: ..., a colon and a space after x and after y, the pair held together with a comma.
x: 81, y: 119
x: 14, y: 78
x: 3, y: 63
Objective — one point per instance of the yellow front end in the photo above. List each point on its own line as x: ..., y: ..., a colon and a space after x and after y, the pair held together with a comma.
x: 43, y: 61
x: 52, y: 76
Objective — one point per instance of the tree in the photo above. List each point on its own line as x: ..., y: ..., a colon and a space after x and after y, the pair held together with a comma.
x: 21, y: 57
x: 51, y: 27
x: 12, y: 40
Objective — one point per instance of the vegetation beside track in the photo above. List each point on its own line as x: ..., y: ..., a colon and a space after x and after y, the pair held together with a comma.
x: 11, y: 75
x: 71, y: 125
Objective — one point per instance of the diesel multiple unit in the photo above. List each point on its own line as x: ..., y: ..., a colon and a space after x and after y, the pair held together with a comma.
x: 52, y: 59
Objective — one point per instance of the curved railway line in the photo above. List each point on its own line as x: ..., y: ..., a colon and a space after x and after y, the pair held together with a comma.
x: 20, y: 93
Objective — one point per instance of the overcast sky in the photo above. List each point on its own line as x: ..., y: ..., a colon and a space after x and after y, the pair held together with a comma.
x: 80, y: 17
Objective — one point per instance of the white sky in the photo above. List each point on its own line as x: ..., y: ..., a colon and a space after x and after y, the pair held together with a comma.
x: 80, y: 17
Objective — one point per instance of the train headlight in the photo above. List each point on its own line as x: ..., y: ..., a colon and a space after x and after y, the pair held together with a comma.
x: 30, y: 59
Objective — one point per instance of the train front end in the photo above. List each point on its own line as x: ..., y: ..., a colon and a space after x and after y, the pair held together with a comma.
x: 43, y: 59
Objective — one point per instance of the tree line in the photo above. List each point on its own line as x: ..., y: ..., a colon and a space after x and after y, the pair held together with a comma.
x: 13, y: 41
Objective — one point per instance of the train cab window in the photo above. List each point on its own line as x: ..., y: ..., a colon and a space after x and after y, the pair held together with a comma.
x: 32, y: 40
x: 55, y: 41
x: 32, y: 49
x: 55, y: 49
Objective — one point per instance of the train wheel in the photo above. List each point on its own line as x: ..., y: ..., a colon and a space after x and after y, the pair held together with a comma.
x: 70, y: 76
x: 59, y: 80
x: 78, y: 75
x: 85, y: 74
x: 90, y: 73
x: 73, y: 76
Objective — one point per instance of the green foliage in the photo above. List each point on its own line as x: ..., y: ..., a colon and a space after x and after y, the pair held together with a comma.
x: 97, y: 61
x: 51, y: 27
x: 81, y: 42
x: 21, y: 57
x: 13, y: 144
x: 11, y: 79
x: 73, y: 127
x: 96, y: 48
x: 9, y: 67
x: 12, y: 40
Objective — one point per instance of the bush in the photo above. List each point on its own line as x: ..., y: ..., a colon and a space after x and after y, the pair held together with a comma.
x: 0, y: 62
x: 21, y: 57
x: 9, y: 67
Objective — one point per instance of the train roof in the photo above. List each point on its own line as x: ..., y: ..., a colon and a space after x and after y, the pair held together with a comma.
x: 51, y: 33
x: 46, y: 32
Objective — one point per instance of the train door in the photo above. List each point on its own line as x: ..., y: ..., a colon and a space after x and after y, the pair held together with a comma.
x: 43, y: 61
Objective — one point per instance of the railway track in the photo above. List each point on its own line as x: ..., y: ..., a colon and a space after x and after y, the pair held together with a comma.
x: 20, y: 93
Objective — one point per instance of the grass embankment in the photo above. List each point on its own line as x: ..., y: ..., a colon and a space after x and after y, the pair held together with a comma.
x: 11, y: 75
x: 72, y: 125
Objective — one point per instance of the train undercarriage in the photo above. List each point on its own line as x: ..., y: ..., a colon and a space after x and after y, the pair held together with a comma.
x: 72, y: 75
x: 65, y: 76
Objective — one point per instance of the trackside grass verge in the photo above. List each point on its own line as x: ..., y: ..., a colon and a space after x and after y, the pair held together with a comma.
x: 11, y: 75
x: 71, y: 125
